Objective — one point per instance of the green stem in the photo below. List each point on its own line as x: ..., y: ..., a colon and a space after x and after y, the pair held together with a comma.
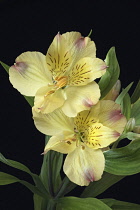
x: 50, y: 183
x: 65, y: 188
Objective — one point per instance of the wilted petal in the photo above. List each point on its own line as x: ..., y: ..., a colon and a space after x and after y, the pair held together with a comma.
x: 84, y: 165
x: 29, y: 73
x: 48, y: 99
x: 86, y: 70
x: 61, y: 143
x: 53, y: 123
x: 80, y: 98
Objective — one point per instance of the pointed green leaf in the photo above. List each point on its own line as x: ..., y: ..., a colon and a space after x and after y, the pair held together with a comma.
x: 96, y: 188
x: 123, y: 161
x: 111, y: 76
x: 29, y: 99
x: 22, y: 167
x: 126, y: 106
x: 135, y: 112
x: 123, y: 93
x: 50, y: 171
x: 136, y: 95
x: 120, y: 205
x: 73, y: 203
x: 5, y: 66
x: 7, y: 179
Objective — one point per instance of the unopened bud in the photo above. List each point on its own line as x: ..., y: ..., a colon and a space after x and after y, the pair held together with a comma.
x: 130, y: 124
x: 137, y: 129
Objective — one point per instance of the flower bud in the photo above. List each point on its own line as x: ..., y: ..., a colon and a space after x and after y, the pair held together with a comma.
x: 130, y: 124
x: 137, y: 129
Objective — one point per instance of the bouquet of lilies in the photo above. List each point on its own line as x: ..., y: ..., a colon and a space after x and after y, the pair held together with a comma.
x: 83, y: 121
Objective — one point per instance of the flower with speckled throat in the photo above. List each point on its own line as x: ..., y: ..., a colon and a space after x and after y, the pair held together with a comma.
x: 83, y: 138
x: 63, y: 78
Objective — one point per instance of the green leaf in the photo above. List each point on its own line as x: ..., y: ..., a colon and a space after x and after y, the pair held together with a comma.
x: 126, y: 106
x: 29, y: 99
x: 135, y: 112
x: 136, y: 95
x: 123, y: 93
x: 96, y: 188
x: 50, y: 170
x: 73, y: 203
x: 5, y: 66
x: 133, y: 136
x: 123, y: 161
x: 120, y: 205
x: 111, y: 76
x: 7, y: 179
x: 37, y: 202
x: 22, y: 167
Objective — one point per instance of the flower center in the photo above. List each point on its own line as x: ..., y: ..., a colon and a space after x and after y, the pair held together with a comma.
x: 60, y: 82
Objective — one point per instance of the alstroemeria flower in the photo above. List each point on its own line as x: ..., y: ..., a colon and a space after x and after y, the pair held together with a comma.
x: 63, y: 78
x: 82, y: 138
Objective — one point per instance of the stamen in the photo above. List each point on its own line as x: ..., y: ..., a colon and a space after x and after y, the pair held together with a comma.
x: 61, y: 82
x: 49, y: 93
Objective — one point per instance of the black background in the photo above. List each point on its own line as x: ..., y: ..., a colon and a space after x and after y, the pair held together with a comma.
x: 31, y: 26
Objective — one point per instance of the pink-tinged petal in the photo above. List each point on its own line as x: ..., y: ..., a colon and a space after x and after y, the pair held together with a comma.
x: 80, y: 46
x: 110, y: 115
x: 53, y: 123
x: 80, y: 98
x: 80, y: 43
x: 29, y: 73
x: 84, y: 165
x: 48, y: 99
x: 63, y: 143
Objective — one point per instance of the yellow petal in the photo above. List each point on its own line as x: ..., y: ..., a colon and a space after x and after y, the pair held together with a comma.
x: 83, y: 166
x: 98, y: 136
x: 110, y: 115
x: 85, y: 119
x: 47, y: 99
x: 53, y: 123
x: 58, y: 57
x: 80, y: 46
x: 86, y: 70
x: 61, y: 143
x: 80, y: 98
x: 29, y: 73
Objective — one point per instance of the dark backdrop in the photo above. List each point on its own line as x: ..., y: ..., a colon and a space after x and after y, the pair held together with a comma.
x: 31, y: 25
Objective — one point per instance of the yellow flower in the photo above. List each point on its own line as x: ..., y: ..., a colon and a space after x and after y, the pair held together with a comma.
x: 82, y: 138
x: 63, y: 78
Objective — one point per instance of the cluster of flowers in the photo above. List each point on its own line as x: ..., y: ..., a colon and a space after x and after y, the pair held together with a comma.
x: 67, y: 105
